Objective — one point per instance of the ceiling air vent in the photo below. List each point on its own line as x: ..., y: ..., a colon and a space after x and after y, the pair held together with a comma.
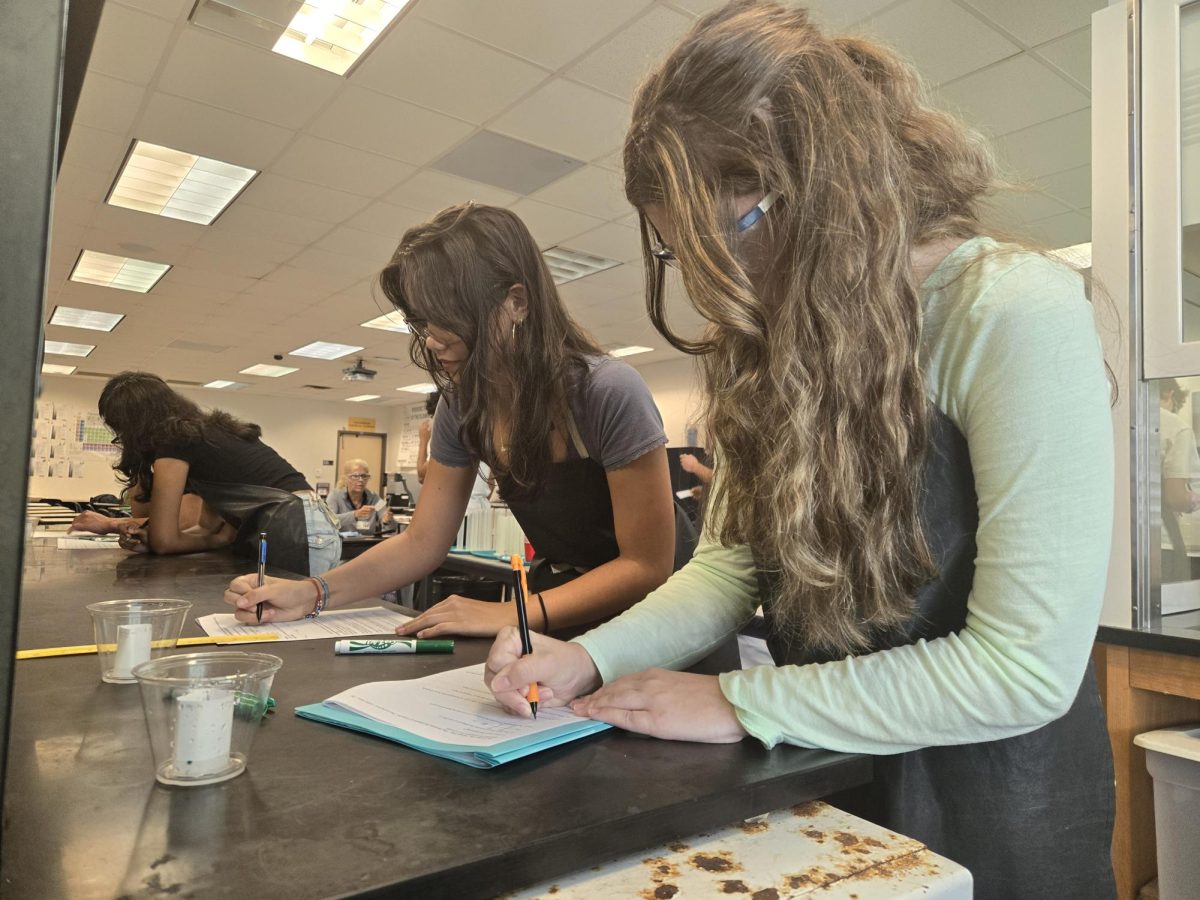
x: 197, y: 347
x: 571, y: 265
x: 316, y: 387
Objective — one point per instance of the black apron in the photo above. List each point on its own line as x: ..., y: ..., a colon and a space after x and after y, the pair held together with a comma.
x: 569, y: 522
x: 1030, y: 816
x: 254, y: 508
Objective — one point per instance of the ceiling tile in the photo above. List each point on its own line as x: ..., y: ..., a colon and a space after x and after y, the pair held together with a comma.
x: 99, y: 151
x: 1009, y: 209
x: 128, y: 44
x: 261, y: 248
x: 697, y: 7
x: 340, y: 167
x: 324, y: 283
x: 474, y: 81
x: 1062, y: 143
x: 372, y: 121
x: 246, y: 80
x: 1074, y: 186
x: 142, y: 235
x: 547, y: 32
x: 1034, y: 22
x: 351, y: 267
x: 207, y: 131
x: 299, y: 198
x: 1064, y: 230
x: 619, y: 64
x: 611, y: 241
x: 376, y: 248
x: 248, y: 266
x: 432, y: 191
x: 77, y: 183
x: 387, y: 220
x: 1071, y: 55
x: 597, y: 121
x: 552, y: 225
x: 942, y: 40
x: 840, y: 14
x: 592, y: 190
x: 253, y: 221
x: 206, y: 277
x: 167, y: 9
x: 108, y: 103
x: 1013, y: 94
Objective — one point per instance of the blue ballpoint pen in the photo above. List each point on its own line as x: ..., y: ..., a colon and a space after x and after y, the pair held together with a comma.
x: 262, y: 570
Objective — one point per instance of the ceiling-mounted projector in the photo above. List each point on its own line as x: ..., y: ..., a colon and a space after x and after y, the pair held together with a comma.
x: 358, y: 372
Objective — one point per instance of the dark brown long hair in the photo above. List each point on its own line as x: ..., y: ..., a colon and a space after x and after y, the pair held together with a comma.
x: 455, y: 272
x: 810, y: 357
x: 147, y: 415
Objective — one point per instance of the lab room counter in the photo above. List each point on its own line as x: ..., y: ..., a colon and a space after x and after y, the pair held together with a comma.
x: 1148, y: 679
x: 322, y: 811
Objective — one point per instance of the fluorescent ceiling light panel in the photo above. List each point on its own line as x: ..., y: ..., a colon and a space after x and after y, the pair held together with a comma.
x: 222, y: 385
x: 629, y: 351
x: 62, y: 348
x: 333, y: 34
x: 324, y: 350
x: 571, y: 265
x: 179, y: 185
x: 361, y: 397
x: 1079, y: 255
x: 91, y: 319
x: 55, y: 369
x: 424, y: 387
x: 121, y: 272
x: 269, y: 371
x: 392, y: 321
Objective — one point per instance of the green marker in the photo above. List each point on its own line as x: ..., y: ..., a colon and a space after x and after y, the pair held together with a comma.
x: 400, y: 646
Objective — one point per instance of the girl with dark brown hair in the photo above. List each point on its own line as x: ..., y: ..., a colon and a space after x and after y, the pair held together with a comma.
x: 572, y: 436
x: 170, y: 447
x: 915, y: 458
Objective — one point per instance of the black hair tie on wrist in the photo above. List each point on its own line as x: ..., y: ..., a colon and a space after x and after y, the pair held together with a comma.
x: 545, y: 618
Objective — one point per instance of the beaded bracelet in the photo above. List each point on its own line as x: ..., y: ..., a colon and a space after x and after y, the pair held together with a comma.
x: 322, y: 587
x: 545, y: 618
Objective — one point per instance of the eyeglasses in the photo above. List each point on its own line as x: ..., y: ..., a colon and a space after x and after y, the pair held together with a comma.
x: 665, y: 254
x: 419, y: 327
x: 359, y: 477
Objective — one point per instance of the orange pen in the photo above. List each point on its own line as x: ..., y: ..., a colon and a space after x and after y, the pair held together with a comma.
x: 521, y: 587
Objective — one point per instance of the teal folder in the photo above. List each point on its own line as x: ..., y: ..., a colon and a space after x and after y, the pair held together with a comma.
x: 479, y: 758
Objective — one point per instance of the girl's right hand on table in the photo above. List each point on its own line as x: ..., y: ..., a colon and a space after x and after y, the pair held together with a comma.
x: 562, y: 670
x: 283, y: 599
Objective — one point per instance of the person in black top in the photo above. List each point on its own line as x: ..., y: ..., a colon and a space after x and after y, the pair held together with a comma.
x: 169, y: 446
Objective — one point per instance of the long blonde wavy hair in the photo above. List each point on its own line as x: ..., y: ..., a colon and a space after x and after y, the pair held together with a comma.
x: 815, y: 393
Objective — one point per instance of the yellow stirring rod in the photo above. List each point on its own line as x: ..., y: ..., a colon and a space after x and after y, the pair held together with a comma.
x: 182, y: 642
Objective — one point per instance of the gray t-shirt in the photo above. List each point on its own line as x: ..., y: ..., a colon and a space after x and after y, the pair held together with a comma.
x: 614, y: 413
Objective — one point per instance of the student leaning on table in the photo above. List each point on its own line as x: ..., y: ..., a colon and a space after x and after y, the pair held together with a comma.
x: 572, y: 435
x: 915, y: 444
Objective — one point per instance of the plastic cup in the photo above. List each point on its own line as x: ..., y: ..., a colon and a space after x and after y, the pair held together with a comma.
x: 203, y: 711
x: 129, y: 632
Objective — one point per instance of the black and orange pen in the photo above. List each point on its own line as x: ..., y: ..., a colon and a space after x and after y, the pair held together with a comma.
x: 521, y: 588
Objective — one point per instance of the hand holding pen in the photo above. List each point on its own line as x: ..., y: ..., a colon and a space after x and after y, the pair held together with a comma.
x: 262, y: 572
x: 521, y: 589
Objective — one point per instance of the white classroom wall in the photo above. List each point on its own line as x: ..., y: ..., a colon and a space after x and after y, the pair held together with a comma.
x: 675, y: 387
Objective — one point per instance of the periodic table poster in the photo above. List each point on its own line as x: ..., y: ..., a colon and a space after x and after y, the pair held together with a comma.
x: 69, y: 442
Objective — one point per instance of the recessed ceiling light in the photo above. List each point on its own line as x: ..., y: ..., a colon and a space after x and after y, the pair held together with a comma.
x: 1078, y: 255
x: 629, y: 351
x: 424, y: 387
x: 392, y: 321
x: 332, y: 34
x: 269, y: 371
x: 361, y: 397
x: 121, y: 272
x: 91, y: 319
x: 324, y: 350
x: 221, y: 385
x: 55, y: 369
x: 571, y: 265
x: 179, y: 185
x: 62, y: 348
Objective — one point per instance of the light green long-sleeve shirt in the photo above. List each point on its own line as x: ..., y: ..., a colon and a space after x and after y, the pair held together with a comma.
x: 1012, y: 357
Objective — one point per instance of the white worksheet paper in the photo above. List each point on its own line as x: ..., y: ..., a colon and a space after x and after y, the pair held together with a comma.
x: 453, y: 707
x: 83, y: 543
x: 340, y: 623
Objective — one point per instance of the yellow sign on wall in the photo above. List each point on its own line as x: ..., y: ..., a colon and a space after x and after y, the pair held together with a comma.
x: 357, y: 424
